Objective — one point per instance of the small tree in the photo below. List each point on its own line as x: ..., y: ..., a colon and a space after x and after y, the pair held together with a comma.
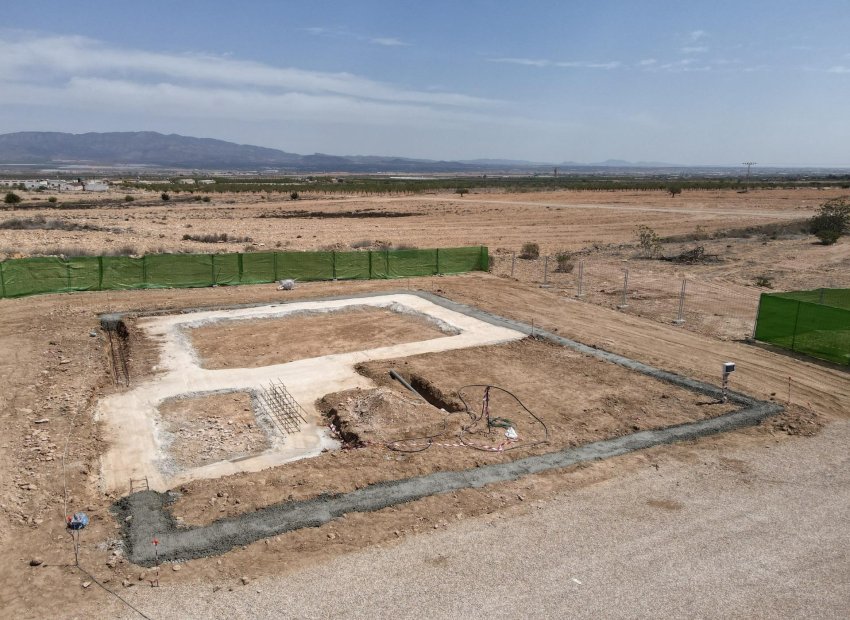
x: 462, y: 191
x: 530, y: 251
x: 674, y: 190
x: 832, y: 221
x: 165, y: 196
x: 12, y: 198
x: 648, y: 240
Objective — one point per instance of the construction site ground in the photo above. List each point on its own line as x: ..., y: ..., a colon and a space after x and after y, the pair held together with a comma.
x: 55, y: 368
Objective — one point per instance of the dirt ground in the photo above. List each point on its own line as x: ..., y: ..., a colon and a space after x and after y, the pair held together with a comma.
x: 55, y: 369
x: 264, y: 342
x: 206, y: 429
x: 562, y: 220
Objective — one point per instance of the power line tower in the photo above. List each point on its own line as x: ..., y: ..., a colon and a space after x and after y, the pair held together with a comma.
x: 748, y: 164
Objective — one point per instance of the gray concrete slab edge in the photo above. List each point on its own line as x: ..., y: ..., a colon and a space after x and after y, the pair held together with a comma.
x: 152, y: 519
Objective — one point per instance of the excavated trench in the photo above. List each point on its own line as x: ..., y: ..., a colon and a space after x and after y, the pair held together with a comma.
x: 151, y: 517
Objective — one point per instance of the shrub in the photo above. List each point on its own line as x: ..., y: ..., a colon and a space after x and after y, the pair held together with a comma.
x: 12, y: 198
x: 216, y: 238
x: 648, y: 240
x: 165, y: 196
x: 565, y: 263
x: 128, y: 198
x: 831, y: 222
x: 52, y: 200
x: 530, y: 251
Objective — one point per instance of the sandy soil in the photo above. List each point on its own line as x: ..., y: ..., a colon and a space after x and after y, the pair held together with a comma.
x: 255, y: 343
x: 55, y: 370
x: 556, y: 220
x: 211, y: 428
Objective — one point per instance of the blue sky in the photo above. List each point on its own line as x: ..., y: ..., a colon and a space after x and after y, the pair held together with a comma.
x: 684, y: 82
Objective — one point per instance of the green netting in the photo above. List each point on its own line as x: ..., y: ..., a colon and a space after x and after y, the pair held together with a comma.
x: 305, y: 266
x: 819, y: 330
x: 85, y: 273
x: 408, y: 263
x: 226, y: 268
x: 178, y: 270
x: 461, y: 260
x: 30, y: 276
x: 834, y: 297
x: 351, y: 265
x: 123, y: 272
x: 258, y: 268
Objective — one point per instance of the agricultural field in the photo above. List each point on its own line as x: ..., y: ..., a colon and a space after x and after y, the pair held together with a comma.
x: 174, y: 401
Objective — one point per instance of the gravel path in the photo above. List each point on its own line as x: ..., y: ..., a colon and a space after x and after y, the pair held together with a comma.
x: 757, y: 533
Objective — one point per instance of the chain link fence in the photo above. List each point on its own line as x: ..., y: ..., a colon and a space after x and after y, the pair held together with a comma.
x: 707, y: 305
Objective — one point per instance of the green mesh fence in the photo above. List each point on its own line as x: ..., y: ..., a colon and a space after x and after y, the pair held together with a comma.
x: 31, y: 276
x: 815, y: 323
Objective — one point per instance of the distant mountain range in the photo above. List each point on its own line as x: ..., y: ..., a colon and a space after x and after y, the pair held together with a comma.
x: 156, y: 150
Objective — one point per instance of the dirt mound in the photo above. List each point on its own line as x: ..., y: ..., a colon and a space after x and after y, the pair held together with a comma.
x: 381, y: 414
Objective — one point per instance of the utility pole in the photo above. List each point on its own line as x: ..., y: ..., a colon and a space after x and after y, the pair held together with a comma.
x: 748, y: 164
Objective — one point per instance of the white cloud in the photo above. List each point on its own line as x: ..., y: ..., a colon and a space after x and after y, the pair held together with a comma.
x: 389, y: 42
x: 567, y: 64
x: 341, y: 32
x: 57, y: 59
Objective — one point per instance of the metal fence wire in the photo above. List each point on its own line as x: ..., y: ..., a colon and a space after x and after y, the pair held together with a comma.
x: 709, y: 305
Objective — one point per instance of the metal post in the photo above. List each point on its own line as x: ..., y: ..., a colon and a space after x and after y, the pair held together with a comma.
x: 580, y: 278
x: 625, y: 303
x: 545, y: 272
x: 513, y: 263
x: 681, y: 317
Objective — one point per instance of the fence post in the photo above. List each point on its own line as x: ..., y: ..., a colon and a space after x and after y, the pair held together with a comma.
x: 796, y: 320
x: 580, y: 292
x: 756, y: 322
x: 513, y: 263
x: 625, y: 303
x: 681, y: 316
